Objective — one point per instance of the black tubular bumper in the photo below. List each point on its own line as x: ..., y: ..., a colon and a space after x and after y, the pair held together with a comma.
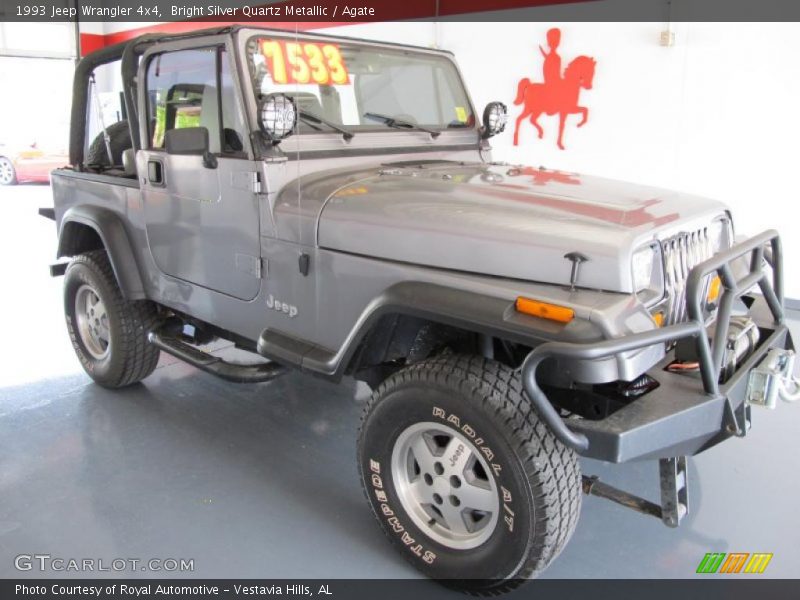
x: 684, y: 415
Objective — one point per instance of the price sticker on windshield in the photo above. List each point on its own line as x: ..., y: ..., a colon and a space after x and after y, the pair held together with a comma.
x: 304, y: 62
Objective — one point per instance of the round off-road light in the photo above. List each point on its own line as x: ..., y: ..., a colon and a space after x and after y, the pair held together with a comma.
x: 277, y: 116
x: 495, y: 116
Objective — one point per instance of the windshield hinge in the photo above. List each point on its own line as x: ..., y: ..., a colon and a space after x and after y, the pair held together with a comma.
x: 256, y: 182
x: 250, y: 265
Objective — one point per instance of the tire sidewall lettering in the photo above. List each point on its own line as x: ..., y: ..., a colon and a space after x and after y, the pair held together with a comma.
x: 388, y: 513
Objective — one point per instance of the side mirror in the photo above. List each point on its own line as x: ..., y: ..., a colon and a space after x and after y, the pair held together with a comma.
x: 277, y: 116
x: 129, y: 161
x: 495, y: 116
x: 190, y: 140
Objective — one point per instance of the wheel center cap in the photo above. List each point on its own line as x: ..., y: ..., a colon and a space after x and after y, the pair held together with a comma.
x: 441, y: 486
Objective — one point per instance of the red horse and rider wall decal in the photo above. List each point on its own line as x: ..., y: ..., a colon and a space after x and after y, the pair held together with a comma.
x: 558, y: 94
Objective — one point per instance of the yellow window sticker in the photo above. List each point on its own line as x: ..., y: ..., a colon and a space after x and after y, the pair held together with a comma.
x: 461, y: 114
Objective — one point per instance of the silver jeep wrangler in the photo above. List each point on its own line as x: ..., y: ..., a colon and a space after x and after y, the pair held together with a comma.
x: 331, y: 205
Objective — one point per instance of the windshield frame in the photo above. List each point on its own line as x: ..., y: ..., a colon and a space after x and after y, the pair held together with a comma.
x: 309, y: 139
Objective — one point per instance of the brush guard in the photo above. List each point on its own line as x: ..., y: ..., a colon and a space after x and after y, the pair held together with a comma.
x: 681, y: 417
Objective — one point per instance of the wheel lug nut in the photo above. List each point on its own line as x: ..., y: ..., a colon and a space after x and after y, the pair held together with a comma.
x: 455, y: 501
x: 428, y: 479
x: 438, y: 468
x: 437, y: 498
x: 455, y: 481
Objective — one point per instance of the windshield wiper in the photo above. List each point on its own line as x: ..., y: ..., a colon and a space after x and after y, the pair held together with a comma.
x: 307, y: 116
x: 400, y: 124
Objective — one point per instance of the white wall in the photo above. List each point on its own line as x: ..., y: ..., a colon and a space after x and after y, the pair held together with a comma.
x: 715, y: 114
x: 34, y: 105
x: 38, y: 40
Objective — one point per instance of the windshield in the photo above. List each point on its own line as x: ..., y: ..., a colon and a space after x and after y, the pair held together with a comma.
x: 348, y: 84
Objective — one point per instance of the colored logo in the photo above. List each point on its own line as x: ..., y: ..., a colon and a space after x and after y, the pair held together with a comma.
x: 735, y: 562
x: 558, y: 94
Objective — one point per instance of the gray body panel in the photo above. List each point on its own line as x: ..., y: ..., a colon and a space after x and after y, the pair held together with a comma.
x: 202, y: 224
x: 496, y: 220
x: 341, y: 290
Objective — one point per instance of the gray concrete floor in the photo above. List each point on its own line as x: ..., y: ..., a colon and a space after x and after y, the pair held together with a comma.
x: 260, y: 481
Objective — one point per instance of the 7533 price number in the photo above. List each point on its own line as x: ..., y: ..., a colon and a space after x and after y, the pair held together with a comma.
x: 305, y: 62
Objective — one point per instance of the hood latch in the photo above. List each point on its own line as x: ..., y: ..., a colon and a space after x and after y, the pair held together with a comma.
x: 576, y: 258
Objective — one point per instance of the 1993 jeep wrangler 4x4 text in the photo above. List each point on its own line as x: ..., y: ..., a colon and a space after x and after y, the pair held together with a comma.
x: 330, y: 205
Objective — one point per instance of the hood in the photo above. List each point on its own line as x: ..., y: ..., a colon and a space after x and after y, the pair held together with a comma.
x: 500, y: 220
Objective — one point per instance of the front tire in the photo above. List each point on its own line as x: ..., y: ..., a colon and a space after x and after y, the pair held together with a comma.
x: 108, y: 332
x: 463, y: 477
x: 8, y: 175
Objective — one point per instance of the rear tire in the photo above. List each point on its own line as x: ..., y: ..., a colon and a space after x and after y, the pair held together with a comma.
x: 108, y: 332
x: 464, y: 478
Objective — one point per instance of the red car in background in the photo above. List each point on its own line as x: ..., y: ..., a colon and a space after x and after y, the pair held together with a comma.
x: 29, y: 163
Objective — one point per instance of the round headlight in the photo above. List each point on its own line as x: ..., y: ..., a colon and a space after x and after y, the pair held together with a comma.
x: 277, y: 116
x: 643, y: 262
x: 648, y: 274
x: 720, y: 235
x: 495, y: 116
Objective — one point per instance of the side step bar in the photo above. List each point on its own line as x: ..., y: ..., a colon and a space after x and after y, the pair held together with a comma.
x: 165, y: 339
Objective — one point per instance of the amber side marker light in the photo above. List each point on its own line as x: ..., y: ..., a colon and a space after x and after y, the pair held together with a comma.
x: 659, y: 319
x: 552, y: 312
x: 713, y: 289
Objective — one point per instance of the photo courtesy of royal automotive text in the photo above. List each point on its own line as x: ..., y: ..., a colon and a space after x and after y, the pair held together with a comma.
x: 394, y: 299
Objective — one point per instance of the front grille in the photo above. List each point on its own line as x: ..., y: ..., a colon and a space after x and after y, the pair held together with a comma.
x: 681, y: 253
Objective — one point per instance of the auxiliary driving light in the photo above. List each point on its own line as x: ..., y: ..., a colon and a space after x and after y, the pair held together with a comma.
x: 277, y: 116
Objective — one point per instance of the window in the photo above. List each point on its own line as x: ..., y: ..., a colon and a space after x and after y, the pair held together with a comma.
x: 194, y: 88
x: 233, y: 127
x: 344, y: 82
x: 105, y: 105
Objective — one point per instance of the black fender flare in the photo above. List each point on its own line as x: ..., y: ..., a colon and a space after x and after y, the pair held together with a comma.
x: 467, y: 310
x: 111, y: 231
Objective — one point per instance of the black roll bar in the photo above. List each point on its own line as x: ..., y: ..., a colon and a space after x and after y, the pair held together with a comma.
x: 128, y: 53
x: 80, y: 97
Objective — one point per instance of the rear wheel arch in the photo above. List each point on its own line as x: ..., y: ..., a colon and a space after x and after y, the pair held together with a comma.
x: 78, y: 238
x: 88, y: 228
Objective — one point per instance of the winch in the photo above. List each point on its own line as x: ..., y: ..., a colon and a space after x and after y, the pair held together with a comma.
x: 742, y: 339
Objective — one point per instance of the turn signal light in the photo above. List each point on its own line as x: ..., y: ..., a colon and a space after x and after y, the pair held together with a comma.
x: 713, y: 289
x: 552, y: 312
x: 659, y: 319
